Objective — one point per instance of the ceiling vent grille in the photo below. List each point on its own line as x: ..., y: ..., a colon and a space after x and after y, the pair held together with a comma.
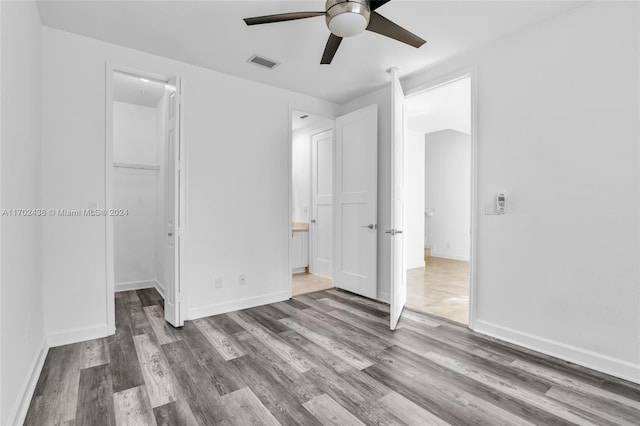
x: 263, y: 62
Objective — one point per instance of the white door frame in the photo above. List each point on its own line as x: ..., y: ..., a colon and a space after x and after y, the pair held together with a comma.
x: 310, y: 109
x: 108, y: 202
x: 470, y: 72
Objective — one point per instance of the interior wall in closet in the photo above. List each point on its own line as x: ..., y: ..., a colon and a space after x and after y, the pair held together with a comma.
x: 138, y: 183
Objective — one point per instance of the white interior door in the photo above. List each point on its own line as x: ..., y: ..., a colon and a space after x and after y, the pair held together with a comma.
x: 321, y: 230
x: 356, y: 192
x: 398, y: 271
x: 172, y: 301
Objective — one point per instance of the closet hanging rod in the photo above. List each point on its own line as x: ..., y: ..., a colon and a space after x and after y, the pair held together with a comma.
x: 136, y: 166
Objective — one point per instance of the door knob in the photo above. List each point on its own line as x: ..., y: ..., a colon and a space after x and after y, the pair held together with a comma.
x: 313, y: 221
x: 393, y: 231
x: 170, y: 234
x: 370, y: 226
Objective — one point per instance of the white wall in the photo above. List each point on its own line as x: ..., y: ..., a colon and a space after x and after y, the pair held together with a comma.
x: 558, y: 129
x: 301, y: 168
x: 21, y: 292
x: 135, y: 234
x: 134, y: 134
x: 135, y: 141
x: 448, y: 194
x: 237, y: 178
x: 414, y: 196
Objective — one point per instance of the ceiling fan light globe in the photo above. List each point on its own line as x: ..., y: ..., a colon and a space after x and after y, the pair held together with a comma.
x: 348, y: 24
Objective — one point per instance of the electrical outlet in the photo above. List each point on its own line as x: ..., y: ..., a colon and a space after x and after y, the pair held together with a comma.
x: 243, y: 279
x: 448, y: 244
x: 218, y: 281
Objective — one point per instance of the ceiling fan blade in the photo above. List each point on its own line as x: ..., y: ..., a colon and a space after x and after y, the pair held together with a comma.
x: 373, y: 5
x: 381, y: 25
x: 267, y: 19
x: 330, y: 50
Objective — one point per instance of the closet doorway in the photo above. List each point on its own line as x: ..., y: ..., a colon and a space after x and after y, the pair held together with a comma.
x: 144, y: 195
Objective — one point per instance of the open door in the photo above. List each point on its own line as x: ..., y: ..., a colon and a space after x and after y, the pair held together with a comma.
x: 172, y: 301
x: 356, y: 193
x: 398, y: 272
x: 322, y: 204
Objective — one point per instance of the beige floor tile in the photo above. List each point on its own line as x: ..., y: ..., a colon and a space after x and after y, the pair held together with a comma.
x: 308, y: 283
x: 441, y: 288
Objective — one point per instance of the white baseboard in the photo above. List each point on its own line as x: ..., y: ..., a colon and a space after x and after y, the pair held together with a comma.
x: 384, y: 296
x: 416, y: 265
x: 19, y: 411
x: 235, y: 305
x: 449, y: 256
x: 134, y: 285
x: 600, y: 362
x: 329, y: 277
x: 140, y: 285
x: 67, y: 337
x: 160, y: 288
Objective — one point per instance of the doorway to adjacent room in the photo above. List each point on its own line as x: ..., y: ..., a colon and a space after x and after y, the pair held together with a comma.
x: 438, y: 199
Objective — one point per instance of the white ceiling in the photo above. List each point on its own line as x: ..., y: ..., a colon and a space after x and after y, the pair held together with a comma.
x: 134, y: 90
x: 312, y: 121
x: 445, y: 107
x: 212, y: 34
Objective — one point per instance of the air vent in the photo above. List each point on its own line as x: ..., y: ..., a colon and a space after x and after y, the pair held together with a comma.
x: 263, y: 62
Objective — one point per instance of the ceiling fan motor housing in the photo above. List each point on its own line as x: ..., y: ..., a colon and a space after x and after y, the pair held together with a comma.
x: 347, y: 18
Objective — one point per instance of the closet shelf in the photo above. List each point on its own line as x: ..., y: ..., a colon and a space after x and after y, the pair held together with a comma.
x: 136, y: 166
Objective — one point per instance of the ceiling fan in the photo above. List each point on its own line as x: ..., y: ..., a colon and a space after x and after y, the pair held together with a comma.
x: 347, y: 18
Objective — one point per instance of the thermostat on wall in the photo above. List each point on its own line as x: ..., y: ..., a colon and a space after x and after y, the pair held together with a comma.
x: 501, y: 203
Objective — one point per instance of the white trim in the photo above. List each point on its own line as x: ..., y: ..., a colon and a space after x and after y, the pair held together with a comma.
x: 416, y: 265
x: 473, y: 263
x: 136, y: 166
x: 320, y: 275
x: 449, y: 256
x: 135, y: 285
x: 290, y: 208
x: 238, y: 304
x: 77, y: 335
x: 19, y: 411
x: 182, y: 206
x: 472, y: 73
x: 384, y: 296
x: 159, y: 287
x: 109, y: 228
x: 108, y: 175
x: 596, y: 361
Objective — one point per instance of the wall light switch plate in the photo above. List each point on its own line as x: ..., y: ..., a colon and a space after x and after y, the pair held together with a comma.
x: 218, y: 282
x: 243, y: 279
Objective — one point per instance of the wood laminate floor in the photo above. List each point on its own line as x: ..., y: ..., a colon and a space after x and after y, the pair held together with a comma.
x: 308, y: 283
x: 324, y: 358
x: 440, y: 288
